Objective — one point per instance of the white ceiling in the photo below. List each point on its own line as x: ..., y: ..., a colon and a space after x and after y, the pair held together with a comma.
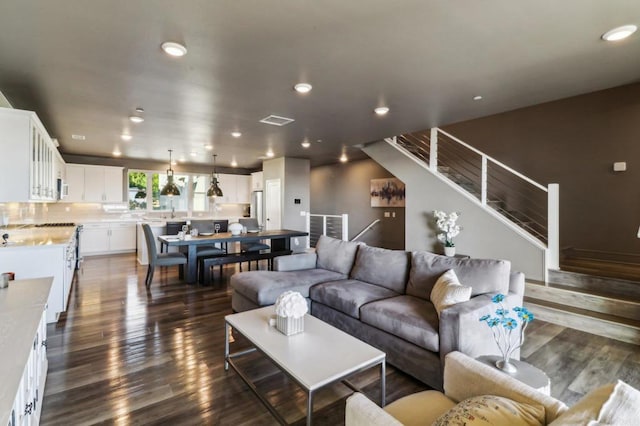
x: 84, y: 66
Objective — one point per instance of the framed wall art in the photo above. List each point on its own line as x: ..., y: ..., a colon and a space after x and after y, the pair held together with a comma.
x: 387, y: 192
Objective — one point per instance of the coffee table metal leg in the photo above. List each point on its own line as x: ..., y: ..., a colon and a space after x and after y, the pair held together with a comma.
x: 309, y: 407
x: 383, y: 383
x: 227, y: 328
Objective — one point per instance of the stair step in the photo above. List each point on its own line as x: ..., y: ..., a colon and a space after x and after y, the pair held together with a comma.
x: 579, y: 298
x: 616, y: 287
x: 609, y: 326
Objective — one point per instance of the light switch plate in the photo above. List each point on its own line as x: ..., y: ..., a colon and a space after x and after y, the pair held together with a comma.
x: 620, y: 166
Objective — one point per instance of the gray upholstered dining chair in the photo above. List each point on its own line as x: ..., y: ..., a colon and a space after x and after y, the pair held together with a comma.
x: 160, y: 259
x: 252, y: 225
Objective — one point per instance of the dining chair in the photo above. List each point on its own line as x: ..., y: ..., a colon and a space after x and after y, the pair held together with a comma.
x: 219, y: 249
x: 160, y: 259
x: 252, y: 225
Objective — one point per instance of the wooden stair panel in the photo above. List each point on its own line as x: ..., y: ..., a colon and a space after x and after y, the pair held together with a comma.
x: 596, y: 283
x: 579, y: 299
x: 612, y: 327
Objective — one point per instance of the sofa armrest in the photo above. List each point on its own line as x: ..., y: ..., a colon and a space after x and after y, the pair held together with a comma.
x: 295, y: 262
x: 465, y: 377
x: 361, y: 411
x: 516, y: 286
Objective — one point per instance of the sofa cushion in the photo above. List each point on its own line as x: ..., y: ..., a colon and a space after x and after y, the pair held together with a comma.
x: 410, y: 318
x: 482, y: 275
x: 612, y: 404
x: 264, y: 287
x: 489, y: 410
x: 387, y: 268
x: 448, y: 291
x: 336, y: 255
x: 421, y: 408
x: 347, y: 296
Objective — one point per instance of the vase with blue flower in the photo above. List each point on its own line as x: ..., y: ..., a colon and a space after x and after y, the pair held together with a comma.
x: 507, y: 331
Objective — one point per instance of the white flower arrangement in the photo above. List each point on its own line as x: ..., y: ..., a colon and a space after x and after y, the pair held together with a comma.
x: 291, y: 304
x: 446, y: 223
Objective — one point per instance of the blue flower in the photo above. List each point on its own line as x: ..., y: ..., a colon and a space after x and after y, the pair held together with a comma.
x: 502, y: 312
x: 498, y: 298
x: 484, y: 318
x: 518, y: 309
x: 509, y: 323
x: 493, y: 322
x: 526, y: 316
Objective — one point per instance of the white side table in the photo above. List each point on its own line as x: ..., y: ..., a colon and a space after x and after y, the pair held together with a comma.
x: 527, y: 373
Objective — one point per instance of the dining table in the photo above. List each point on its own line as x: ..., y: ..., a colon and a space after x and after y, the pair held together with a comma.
x: 280, y: 242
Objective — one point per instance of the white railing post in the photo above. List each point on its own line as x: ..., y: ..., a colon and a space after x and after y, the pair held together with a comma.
x: 345, y: 227
x: 433, y: 150
x: 483, y: 181
x: 553, y: 226
x: 307, y: 220
x: 324, y: 225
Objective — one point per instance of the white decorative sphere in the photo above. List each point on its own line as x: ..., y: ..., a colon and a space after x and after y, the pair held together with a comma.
x: 235, y: 228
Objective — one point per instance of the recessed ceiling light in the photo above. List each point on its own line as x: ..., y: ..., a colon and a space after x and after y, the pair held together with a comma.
x: 619, y: 33
x: 381, y: 110
x: 193, y: 154
x: 303, y: 87
x: 136, y: 119
x: 477, y: 98
x: 270, y: 153
x: 174, y: 49
x: 234, y: 163
x: 305, y: 144
x: 208, y: 147
x: 236, y: 134
x: 139, y: 110
x: 116, y: 153
x: 174, y: 162
x: 343, y: 158
x: 181, y: 159
x: 126, y: 137
x: 78, y: 137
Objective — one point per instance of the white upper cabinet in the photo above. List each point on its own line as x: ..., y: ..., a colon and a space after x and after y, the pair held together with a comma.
x: 94, y: 184
x: 235, y: 189
x: 29, y: 158
x: 257, y: 181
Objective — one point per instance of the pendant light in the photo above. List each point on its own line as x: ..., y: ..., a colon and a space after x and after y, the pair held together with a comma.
x: 170, y: 189
x: 214, y: 189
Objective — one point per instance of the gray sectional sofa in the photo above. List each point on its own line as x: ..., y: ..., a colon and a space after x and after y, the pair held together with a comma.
x: 383, y: 297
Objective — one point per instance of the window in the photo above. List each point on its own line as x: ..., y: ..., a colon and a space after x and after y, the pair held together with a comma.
x: 137, y: 191
x: 144, y: 192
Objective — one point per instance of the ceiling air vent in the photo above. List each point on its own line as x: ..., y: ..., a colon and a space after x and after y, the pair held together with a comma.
x: 276, y: 120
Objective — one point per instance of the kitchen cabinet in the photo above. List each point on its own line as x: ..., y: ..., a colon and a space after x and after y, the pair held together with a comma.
x: 29, y: 158
x: 23, y: 351
x: 107, y: 237
x: 235, y: 188
x: 257, y: 181
x: 94, y: 184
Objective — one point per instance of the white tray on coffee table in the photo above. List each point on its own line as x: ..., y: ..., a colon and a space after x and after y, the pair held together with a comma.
x: 317, y: 357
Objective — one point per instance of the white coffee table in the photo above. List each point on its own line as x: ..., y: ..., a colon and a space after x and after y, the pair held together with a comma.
x: 317, y: 357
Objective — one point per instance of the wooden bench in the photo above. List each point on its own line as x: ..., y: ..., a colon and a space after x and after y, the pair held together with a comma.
x: 207, y: 262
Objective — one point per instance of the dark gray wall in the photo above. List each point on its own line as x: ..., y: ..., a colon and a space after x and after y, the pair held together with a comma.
x: 574, y: 142
x: 344, y: 188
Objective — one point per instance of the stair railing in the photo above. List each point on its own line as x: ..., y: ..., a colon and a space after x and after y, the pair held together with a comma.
x: 365, y: 230
x: 331, y: 225
x: 531, y: 206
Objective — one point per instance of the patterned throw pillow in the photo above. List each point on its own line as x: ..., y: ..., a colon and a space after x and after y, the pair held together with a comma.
x: 448, y: 291
x: 492, y: 410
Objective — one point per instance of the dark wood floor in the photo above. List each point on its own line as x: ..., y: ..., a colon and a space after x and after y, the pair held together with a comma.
x: 125, y: 355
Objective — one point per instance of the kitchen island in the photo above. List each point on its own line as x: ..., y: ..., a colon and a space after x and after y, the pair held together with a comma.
x: 34, y: 252
x: 23, y: 350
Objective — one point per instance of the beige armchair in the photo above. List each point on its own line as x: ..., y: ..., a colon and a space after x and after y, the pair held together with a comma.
x: 465, y: 378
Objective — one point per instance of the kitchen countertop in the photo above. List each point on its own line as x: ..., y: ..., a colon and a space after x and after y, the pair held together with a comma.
x: 21, y: 307
x: 38, y: 237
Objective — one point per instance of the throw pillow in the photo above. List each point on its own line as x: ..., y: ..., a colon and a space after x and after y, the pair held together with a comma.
x: 448, y: 291
x: 612, y: 404
x: 492, y: 410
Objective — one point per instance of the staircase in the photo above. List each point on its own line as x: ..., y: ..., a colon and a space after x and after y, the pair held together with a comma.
x: 531, y: 207
x: 603, y: 306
